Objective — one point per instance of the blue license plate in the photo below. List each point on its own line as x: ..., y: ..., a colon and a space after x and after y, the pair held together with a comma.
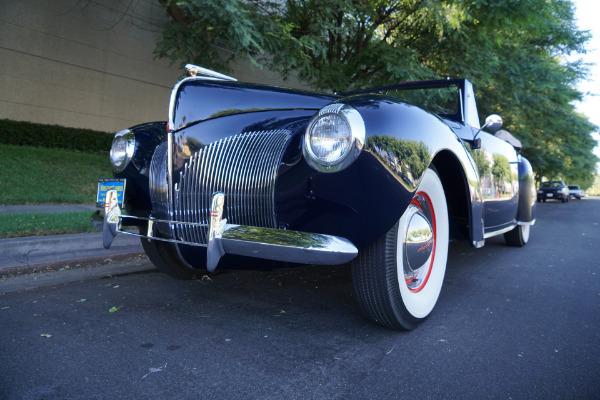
x: 105, y: 185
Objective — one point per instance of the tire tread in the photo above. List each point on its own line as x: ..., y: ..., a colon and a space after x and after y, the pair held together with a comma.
x: 165, y: 258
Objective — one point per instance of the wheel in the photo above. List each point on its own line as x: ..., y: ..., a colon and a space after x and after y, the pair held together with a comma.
x: 544, y: 200
x: 518, y: 237
x: 539, y: 200
x: 398, y: 279
x: 164, y: 257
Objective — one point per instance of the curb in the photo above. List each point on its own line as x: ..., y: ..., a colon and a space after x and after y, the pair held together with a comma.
x: 17, y: 279
x: 39, y: 250
x: 46, y: 208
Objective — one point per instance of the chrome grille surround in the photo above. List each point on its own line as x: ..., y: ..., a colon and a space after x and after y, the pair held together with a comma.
x: 243, y: 167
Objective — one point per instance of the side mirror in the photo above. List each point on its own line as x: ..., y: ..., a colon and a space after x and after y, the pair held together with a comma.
x: 493, y: 123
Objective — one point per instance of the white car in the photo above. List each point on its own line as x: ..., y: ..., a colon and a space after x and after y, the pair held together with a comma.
x: 575, y: 192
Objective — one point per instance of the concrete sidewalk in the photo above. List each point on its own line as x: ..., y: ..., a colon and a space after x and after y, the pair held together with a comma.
x: 35, y: 250
x: 32, y: 250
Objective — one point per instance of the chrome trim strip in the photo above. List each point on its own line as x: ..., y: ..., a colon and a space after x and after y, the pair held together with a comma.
x: 154, y: 220
x: 507, y: 229
x: 532, y: 222
x: 171, y: 124
x: 192, y: 71
x: 498, y: 232
x: 161, y: 239
x: 170, y: 172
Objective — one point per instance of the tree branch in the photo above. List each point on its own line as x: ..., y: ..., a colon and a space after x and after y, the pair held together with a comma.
x: 175, y: 12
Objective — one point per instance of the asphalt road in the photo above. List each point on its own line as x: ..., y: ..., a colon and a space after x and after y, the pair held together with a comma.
x: 510, y: 324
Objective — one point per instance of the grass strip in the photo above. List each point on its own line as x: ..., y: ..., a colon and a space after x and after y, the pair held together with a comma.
x: 34, y: 175
x: 40, y: 224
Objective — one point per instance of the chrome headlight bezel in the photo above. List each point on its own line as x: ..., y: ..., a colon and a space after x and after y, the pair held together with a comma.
x: 121, y: 150
x: 354, y: 142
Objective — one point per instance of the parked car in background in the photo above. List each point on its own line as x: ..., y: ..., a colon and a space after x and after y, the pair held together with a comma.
x: 243, y: 175
x: 553, y: 190
x: 575, y: 192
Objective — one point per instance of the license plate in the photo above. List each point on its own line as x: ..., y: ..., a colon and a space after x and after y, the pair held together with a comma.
x: 549, y: 195
x: 105, y: 185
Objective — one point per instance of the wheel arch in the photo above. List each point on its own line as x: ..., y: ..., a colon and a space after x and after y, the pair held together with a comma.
x: 457, y: 191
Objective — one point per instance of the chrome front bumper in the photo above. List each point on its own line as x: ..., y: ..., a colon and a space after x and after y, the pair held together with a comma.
x: 224, y: 238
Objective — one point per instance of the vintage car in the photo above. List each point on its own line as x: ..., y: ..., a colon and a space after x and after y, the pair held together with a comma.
x: 251, y: 176
x: 553, y: 190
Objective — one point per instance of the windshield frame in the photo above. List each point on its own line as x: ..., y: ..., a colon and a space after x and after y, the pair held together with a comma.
x: 466, y: 105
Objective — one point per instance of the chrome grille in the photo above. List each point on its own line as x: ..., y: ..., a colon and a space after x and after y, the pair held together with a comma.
x: 244, y: 167
x: 159, y: 189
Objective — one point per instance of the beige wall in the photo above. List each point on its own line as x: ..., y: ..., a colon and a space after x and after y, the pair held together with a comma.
x: 87, y: 63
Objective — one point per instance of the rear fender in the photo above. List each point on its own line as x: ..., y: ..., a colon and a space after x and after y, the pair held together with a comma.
x: 527, y: 192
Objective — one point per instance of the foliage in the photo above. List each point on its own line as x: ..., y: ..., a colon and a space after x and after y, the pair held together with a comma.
x: 514, y: 51
x: 54, y: 136
x: 594, y: 189
x: 30, y: 175
x: 214, y: 33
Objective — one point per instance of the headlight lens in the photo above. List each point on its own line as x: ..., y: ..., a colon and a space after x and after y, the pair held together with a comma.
x: 122, y: 149
x: 330, y: 138
x: 334, y: 138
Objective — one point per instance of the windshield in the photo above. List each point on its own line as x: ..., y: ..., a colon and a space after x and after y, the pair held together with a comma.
x: 552, y: 184
x: 442, y: 97
x: 440, y: 100
x: 573, y: 187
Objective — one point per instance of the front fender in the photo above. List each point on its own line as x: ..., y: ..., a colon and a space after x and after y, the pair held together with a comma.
x: 147, y: 137
x: 402, y: 141
x: 407, y: 140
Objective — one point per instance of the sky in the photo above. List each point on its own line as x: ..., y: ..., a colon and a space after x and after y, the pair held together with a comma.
x: 587, y: 13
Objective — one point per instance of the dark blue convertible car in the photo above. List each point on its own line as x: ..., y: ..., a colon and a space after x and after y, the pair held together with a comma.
x: 250, y: 176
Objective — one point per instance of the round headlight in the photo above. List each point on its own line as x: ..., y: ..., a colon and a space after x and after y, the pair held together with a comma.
x: 121, y: 150
x: 334, y: 138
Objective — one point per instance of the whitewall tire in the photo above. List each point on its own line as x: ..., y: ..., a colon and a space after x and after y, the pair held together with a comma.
x: 398, y: 279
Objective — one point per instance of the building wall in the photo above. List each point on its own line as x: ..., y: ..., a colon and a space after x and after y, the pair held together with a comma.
x: 88, y: 63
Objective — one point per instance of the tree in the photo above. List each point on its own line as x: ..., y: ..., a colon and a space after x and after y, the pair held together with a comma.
x: 215, y: 33
x: 514, y: 52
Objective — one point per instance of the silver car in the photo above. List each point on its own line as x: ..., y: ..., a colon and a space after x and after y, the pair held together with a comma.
x: 575, y: 192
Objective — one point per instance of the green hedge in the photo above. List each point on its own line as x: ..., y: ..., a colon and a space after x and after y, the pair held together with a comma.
x: 54, y: 136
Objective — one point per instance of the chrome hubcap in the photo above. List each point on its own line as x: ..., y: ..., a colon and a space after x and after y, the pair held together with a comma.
x: 419, y: 243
